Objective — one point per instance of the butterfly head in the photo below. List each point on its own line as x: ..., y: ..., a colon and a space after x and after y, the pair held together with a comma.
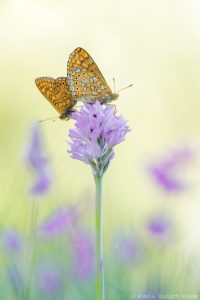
x: 67, y: 114
x: 108, y: 98
x: 115, y: 96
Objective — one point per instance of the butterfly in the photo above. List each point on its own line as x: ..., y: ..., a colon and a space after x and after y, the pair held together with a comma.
x: 57, y: 92
x: 86, y: 81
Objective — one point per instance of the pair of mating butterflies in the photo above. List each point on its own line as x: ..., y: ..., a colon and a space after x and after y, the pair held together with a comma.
x: 84, y: 82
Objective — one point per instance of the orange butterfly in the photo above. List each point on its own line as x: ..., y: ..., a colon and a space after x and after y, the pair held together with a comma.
x: 57, y: 92
x: 84, y: 82
x: 87, y: 83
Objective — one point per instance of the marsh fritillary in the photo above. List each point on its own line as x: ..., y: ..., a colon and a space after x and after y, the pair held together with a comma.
x: 87, y: 83
x: 84, y: 82
x: 57, y: 92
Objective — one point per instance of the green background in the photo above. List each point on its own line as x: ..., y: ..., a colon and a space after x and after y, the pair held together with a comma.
x: 153, y: 44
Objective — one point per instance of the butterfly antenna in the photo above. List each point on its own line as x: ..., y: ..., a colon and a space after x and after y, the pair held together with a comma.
x: 125, y: 88
x: 114, y: 84
x: 52, y: 118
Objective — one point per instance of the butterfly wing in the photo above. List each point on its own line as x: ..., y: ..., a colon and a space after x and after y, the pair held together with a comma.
x: 63, y: 94
x: 56, y: 91
x: 86, y: 80
x: 86, y: 86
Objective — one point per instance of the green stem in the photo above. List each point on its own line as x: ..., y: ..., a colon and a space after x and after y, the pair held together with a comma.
x: 99, y: 242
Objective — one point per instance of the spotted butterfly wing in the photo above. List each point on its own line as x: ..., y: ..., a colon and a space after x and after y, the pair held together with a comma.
x: 58, y: 93
x: 86, y: 81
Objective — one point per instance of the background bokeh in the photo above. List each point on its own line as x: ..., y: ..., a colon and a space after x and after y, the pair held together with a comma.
x: 153, y: 44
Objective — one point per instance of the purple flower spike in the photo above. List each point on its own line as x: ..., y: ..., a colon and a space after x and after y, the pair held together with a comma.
x: 97, y: 131
x: 127, y: 248
x: 12, y: 241
x: 159, y: 226
x: 42, y: 184
x: 84, y: 254
x: 60, y: 221
x: 35, y: 155
x: 38, y: 162
x: 163, y: 172
x: 167, y: 182
x: 49, y: 280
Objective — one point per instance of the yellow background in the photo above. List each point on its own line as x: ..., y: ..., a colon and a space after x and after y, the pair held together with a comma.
x: 153, y: 44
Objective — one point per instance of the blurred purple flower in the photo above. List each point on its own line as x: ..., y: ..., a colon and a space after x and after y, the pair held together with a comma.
x: 84, y: 256
x: 42, y: 184
x: 159, y: 226
x: 127, y: 248
x: 12, y: 241
x: 163, y: 172
x: 35, y: 155
x: 97, y: 131
x: 60, y: 221
x: 49, y: 280
x: 38, y: 162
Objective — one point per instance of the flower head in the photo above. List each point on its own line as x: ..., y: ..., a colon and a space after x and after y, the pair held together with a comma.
x: 38, y: 162
x: 164, y: 172
x: 97, y: 131
x: 35, y: 156
x: 161, y: 228
x: 49, y: 280
x: 12, y: 241
x: 60, y: 221
x: 158, y: 226
x: 127, y: 248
